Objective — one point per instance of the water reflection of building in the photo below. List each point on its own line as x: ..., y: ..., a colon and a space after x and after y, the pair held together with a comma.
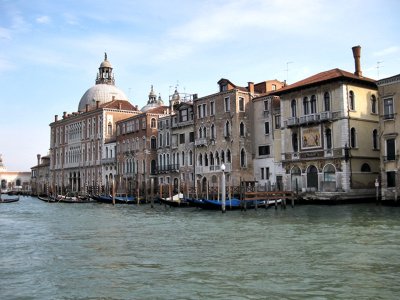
x: 389, y: 89
x: 82, y: 144
x: 13, y: 181
x: 330, y: 133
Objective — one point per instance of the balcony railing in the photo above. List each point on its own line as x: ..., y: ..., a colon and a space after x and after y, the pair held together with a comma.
x: 292, y: 121
x: 325, y: 116
x: 213, y: 169
x: 200, y: 142
x: 167, y: 168
x: 388, y: 158
x: 313, y: 118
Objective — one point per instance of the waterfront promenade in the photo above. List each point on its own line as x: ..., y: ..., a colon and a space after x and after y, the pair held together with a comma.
x: 101, y: 251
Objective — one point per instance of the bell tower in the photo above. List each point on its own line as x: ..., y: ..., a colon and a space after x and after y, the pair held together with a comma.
x: 105, y: 75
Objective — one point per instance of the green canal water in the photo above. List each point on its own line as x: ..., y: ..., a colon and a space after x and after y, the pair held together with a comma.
x: 100, y: 251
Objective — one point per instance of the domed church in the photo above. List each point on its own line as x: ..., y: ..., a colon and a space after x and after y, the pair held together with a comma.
x: 83, y: 143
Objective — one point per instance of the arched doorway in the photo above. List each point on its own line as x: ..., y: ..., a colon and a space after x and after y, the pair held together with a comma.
x: 312, y: 177
x: 204, y: 186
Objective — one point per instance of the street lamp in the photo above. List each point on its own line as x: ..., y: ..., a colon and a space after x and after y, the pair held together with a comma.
x: 223, y: 187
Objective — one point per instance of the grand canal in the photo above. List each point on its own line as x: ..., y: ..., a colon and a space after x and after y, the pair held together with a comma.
x: 100, y: 251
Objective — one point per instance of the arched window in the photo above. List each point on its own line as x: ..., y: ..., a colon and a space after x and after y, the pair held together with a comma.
x: 328, y: 136
x: 373, y: 105
x: 153, y: 123
x: 212, y: 131
x: 206, y: 159
x: 241, y: 129
x: 109, y: 128
x: 217, y: 158
x: 293, y: 106
x: 153, y: 142
x: 243, y: 158
x: 365, y: 168
x: 305, y: 106
x: 212, y: 163
x: 227, y: 130
x: 353, y: 137
x: 327, y: 101
x: 190, y: 158
x: 222, y: 156
x: 313, y: 104
x: 228, y: 156
x: 375, y: 139
x: 204, y: 132
x: 295, y: 142
x: 200, y: 133
x: 329, y: 173
x: 183, y: 158
x: 352, y: 104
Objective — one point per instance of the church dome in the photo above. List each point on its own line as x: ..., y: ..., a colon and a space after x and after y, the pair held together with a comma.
x: 100, y: 92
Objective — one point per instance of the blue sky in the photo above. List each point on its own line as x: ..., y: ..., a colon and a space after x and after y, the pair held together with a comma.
x: 50, y: 52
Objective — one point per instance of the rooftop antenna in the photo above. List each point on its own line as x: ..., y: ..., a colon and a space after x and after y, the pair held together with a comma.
x: 287, y: 70
x: 378, y: 65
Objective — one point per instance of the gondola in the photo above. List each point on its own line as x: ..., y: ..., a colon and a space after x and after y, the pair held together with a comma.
x: 117, y: 199
x: 8, y: 200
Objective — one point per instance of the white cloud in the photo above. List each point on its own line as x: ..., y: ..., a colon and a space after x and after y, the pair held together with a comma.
x: 4, y: 34
x: 43, y: 20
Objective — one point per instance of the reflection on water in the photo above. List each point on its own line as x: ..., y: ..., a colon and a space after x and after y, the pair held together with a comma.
x: 99, y: 251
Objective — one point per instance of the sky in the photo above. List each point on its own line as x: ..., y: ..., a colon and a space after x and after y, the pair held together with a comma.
x: 50, y: 52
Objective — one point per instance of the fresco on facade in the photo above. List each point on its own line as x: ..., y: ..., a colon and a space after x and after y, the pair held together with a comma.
x: 311, y: 137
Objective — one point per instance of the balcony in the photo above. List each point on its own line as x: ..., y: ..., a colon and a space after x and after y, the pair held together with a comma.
x: 201, y: 142
x: 200, y: 170
x: 325, y: 116
x: 293, y: 121
x: 313, y: 118
x: 389, y: 158
x: 167, y: 169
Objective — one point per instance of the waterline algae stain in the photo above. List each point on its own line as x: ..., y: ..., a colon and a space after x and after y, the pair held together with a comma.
x: 94, y: 251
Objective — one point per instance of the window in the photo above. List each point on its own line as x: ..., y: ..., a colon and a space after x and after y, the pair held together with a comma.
x: 109, y: 128
x: 199, y: 112
x: 191, y: 137
x: 266, y: 127
x: 373, y: 105
x: 228, y: 156
x: 241, y: 129
x: 273, y: 87
x: 391, y: 178
x: 352, y: 104
x: 305, y: 106
x: 204, y: 110
x: 365, y: 168
x: 181, y: 138
x: 263, y: 150
x: 327, y: 101
x: 241, y: 104
x: 390, y: 149
x: 190, y: 157
x: 227, y: 104
x: 313, y: 104
x: 183, y: 115
x: 295, y: 142
x: 212, y: 108
x: 266, y: 105
x: 213, y: 131
x: 153, y: 123
x: 262, y: 174
x: 153, y: 142
x: 375, y: 139
x: 243, y: 158
x: 227, y: 131
x: 388, y: 110
x: 328, y: 136
x: 353, y: 138
x: 293, y: 106
x: 277, y: 121
x: 329, y: 173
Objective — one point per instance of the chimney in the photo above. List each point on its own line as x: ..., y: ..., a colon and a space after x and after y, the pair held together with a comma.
x: 357, y: 55
x: 250, y: 87
x: 97, y: 103
x: 38, y: 159
x: 55, y: 118
x: 64, y: 114
x: 87, y: 107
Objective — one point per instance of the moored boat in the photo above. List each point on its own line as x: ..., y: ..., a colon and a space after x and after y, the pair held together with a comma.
x: 8, y: 200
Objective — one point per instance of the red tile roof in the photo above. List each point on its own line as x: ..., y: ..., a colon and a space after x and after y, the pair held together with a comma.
x: 119, y: 104
x: 331, y: 75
